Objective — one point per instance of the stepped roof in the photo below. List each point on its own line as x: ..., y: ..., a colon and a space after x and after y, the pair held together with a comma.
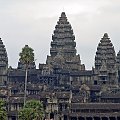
x: 105, y: 52
x: 3, y: 54
x: 63, y: 37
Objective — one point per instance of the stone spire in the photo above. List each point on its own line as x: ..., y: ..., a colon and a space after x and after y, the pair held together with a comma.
x: 3, y: 55
x: 118, y: 65
x: 63, y: 38
x: 63, y: 45
x: 105, y: 48
x: 3, y: 64
x: 105, y: 62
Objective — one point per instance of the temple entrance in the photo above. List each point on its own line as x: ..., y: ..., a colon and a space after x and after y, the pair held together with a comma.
x: 112, y: 118
x: 118, y: 118
x: 81, y: 118
x: 73, y: 118
x: 104, y: 118
x: 88, y: 118
x: 65, y: 117
x: 96, y: 118
x: 52, y: 115
x: 13, y: 118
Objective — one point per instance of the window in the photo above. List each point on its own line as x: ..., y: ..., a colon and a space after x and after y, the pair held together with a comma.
x: 95, y: 82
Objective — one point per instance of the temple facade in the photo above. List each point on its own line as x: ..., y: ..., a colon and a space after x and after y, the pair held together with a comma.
x: 67, y: 90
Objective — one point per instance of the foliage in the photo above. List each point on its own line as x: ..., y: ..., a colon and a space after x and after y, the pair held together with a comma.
x: 33, y: 110
x: 3, y: 112
x: 27, y: 55
x: 26, y: 58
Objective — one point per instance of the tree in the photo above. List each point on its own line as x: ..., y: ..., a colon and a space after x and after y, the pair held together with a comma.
x: 3, y: 112
x: 26, y: 58
x: 33, y: 110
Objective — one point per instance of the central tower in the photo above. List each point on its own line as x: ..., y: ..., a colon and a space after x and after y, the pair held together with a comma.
x: 63, y: 51
x: 63, y: 39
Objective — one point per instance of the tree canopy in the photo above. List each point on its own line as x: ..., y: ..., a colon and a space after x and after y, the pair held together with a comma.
x: 27, y: 55
x: 3, y: 112
x: 33, y: 110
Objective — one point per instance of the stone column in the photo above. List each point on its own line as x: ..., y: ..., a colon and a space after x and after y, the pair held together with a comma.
x: 56, y: 117
x: 62, y: 118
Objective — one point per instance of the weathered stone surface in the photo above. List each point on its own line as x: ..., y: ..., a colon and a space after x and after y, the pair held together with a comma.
x: 63, y: 51
x: 105, y: 62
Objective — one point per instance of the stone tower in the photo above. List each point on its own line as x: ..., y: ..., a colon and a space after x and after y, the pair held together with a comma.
x: 3, y: 64
x: 105, y: 62
x: 118, y: 60
x: 118, y: 65
x: 63, y: 51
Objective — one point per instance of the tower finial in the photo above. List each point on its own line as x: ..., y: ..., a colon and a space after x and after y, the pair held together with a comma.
x: 105, y: 35
x: 63, y: 14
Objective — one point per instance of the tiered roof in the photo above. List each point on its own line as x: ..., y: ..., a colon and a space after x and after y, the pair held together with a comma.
x: 63, y: 51
x: 105, y: 52
x: 3, y: 55
x: 63, y: 38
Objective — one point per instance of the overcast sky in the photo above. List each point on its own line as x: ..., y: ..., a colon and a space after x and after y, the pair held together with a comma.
x: 32, y: 22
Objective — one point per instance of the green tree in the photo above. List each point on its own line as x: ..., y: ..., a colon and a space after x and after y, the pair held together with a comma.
x: 33, y: 110
x: 3, y: 112
x: 26, y: 58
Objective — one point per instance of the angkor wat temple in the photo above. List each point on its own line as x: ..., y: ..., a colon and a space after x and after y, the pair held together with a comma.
x: 68, y: 91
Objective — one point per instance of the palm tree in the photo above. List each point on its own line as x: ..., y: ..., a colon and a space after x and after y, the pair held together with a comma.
x: 3, y: 112
x: 26, y: 58
x: 33, y: 110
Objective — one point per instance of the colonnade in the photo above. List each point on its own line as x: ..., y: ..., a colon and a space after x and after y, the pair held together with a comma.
x: 94, y: 118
